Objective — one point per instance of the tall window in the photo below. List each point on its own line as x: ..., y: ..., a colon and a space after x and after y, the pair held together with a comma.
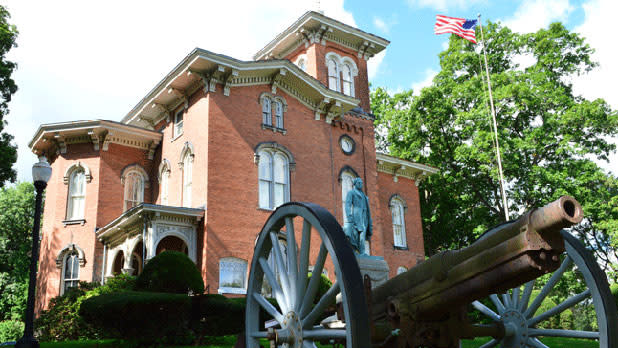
x: 164, y: 177
x: 77, y: 194
x: 133, y: 189
x: 346, y: 80
x: 399, y: 227
x: 266, y: 112
x: 232, y: 276
x: 187, y: 179
x: 278, y: 114
x: 70, y: 277
x: 273, y: 177
x: 333, y: 75
x: 178, y: 120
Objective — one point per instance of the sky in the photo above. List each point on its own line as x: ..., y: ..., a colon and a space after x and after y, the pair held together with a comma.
x: 80, y: 60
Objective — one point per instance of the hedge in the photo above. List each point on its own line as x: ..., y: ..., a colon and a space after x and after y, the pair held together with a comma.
x: 171, y: 271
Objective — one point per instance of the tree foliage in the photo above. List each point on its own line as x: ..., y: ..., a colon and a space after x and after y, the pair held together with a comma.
x: 8, y: 151
x: 548, y: 135
x: 16, y: 222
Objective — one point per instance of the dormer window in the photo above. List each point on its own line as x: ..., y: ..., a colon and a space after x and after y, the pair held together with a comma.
x: 273, y: 109
x: 341, y: 73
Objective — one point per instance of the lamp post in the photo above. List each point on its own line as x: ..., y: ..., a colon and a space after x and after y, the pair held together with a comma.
x: 41, y: 172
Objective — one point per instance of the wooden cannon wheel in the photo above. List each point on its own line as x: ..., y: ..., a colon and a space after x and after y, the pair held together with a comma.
x: 519, y: 315
x: 294, y: 320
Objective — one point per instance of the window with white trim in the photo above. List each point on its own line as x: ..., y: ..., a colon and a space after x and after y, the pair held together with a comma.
x: 70, y: 271
x: 399, y: 227
x: 187, y: 179
x: 347, y: 82
x: 133, y: 189
x: 333, y: 75
x: 232, y: 276
x: 178, y: 121
x: 266, y: 112
x: 273, y: 178
x: 278, y: 114
x: 77, y: 195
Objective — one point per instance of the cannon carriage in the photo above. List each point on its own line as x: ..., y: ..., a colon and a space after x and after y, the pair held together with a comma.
x: 427, y: 306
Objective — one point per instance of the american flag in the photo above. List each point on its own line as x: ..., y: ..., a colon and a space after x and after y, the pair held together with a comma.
x: 459, y: 26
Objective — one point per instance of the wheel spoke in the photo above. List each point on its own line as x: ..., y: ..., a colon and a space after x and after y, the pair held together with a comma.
x: 563, y: 333
x: 492, y: 343
x: 533, y: 342
x: 319, y: 308
x: 506, y: 299
x: 568, y: 303
x: 485, y: 310
x: 274, y: 285
x: 499, y: 306
x: 268, y: 307
x: 515, y: 298
x: 305, y: 246
x: 308, y: 344
x: 547, y: 288
x: 259, y: 334
x: 292, y: 257
x: 285, y: 283
x: 322, y: 334
x: 316, y: 275
x: 525, y: 297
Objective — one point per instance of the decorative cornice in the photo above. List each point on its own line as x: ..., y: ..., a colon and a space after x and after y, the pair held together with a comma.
x: 401, y: 168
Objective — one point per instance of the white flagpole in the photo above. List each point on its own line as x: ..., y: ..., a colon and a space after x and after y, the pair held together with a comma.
x: 495, y: 125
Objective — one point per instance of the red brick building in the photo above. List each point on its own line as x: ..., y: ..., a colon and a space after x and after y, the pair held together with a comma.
x: 203, y: 159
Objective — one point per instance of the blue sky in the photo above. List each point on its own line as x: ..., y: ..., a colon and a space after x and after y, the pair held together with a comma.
x: 95, y: 60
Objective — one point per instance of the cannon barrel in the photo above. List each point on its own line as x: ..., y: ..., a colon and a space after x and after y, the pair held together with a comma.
x: 504, y: 257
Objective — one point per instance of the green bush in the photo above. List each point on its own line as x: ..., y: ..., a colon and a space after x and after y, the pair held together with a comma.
x: 171, y: 271
x: 11, y: 330
x: 61, y: 321
x: 145, y: 317
x: 614, y: 289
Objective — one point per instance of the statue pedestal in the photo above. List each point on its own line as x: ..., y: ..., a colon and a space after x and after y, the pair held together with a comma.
x: 374, y: 266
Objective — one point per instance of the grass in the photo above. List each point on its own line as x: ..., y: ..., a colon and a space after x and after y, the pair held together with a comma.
x: 549, y: 341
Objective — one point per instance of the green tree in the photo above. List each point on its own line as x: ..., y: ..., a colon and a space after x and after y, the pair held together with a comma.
x: 549, y: 136
x: 8, y: 150
x: 16, y: 219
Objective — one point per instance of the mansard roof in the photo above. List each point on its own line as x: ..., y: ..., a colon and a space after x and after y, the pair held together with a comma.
x: 205, y: 69
x: 53, y: 137
x: 316, y: 27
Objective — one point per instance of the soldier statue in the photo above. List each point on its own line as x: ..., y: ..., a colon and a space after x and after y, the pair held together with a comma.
x: 358, y: 227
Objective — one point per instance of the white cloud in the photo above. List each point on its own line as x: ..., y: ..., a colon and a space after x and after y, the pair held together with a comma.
x: 600, y: 83
x: 533, y: 15
x: 426, y: 82
x: 374, y: 64
x: 444, y: 5
x: 86, y: 60
x: 380, y: 24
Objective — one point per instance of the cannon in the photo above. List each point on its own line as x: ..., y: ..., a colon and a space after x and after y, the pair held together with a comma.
x: 430, y: 304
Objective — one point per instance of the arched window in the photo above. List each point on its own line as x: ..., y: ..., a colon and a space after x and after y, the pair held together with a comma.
x: 273, y: 177
x: 266, y: 111
x: 187, y: 178
x: 399, y: 227
x: 278, y: 114
x: 401, y: 269
x: 232, y: 276
x: 347, y: 86
x: 70, y: 271
x: 77, y: 194
x: 133, y: 189
x: 333, y: 75
x: 164, y: 178
x: 302, y: 63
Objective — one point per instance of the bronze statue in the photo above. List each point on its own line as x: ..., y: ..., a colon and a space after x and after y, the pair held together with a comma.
x: 358, y: 225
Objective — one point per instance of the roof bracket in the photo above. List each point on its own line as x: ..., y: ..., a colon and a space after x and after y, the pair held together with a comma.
x: 61, y: 142
x: 227, y: 81
x: 95, y: 139
x: 107, y: 138
x: 164, y: 111
x: 275, y: 80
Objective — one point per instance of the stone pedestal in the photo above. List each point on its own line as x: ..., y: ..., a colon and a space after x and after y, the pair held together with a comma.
x: 374, y: 266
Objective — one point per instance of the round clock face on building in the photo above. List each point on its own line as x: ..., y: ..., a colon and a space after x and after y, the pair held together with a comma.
x: 347, y: 144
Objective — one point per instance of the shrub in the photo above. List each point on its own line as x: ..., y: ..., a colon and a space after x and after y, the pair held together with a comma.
x: 614, y: 289
x: 171, y: 271
x: 146, y: 317
x: 61, y: 321
x: 11, y: 330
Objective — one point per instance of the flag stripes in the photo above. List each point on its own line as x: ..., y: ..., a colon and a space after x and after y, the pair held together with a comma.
x: 459, y: 26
